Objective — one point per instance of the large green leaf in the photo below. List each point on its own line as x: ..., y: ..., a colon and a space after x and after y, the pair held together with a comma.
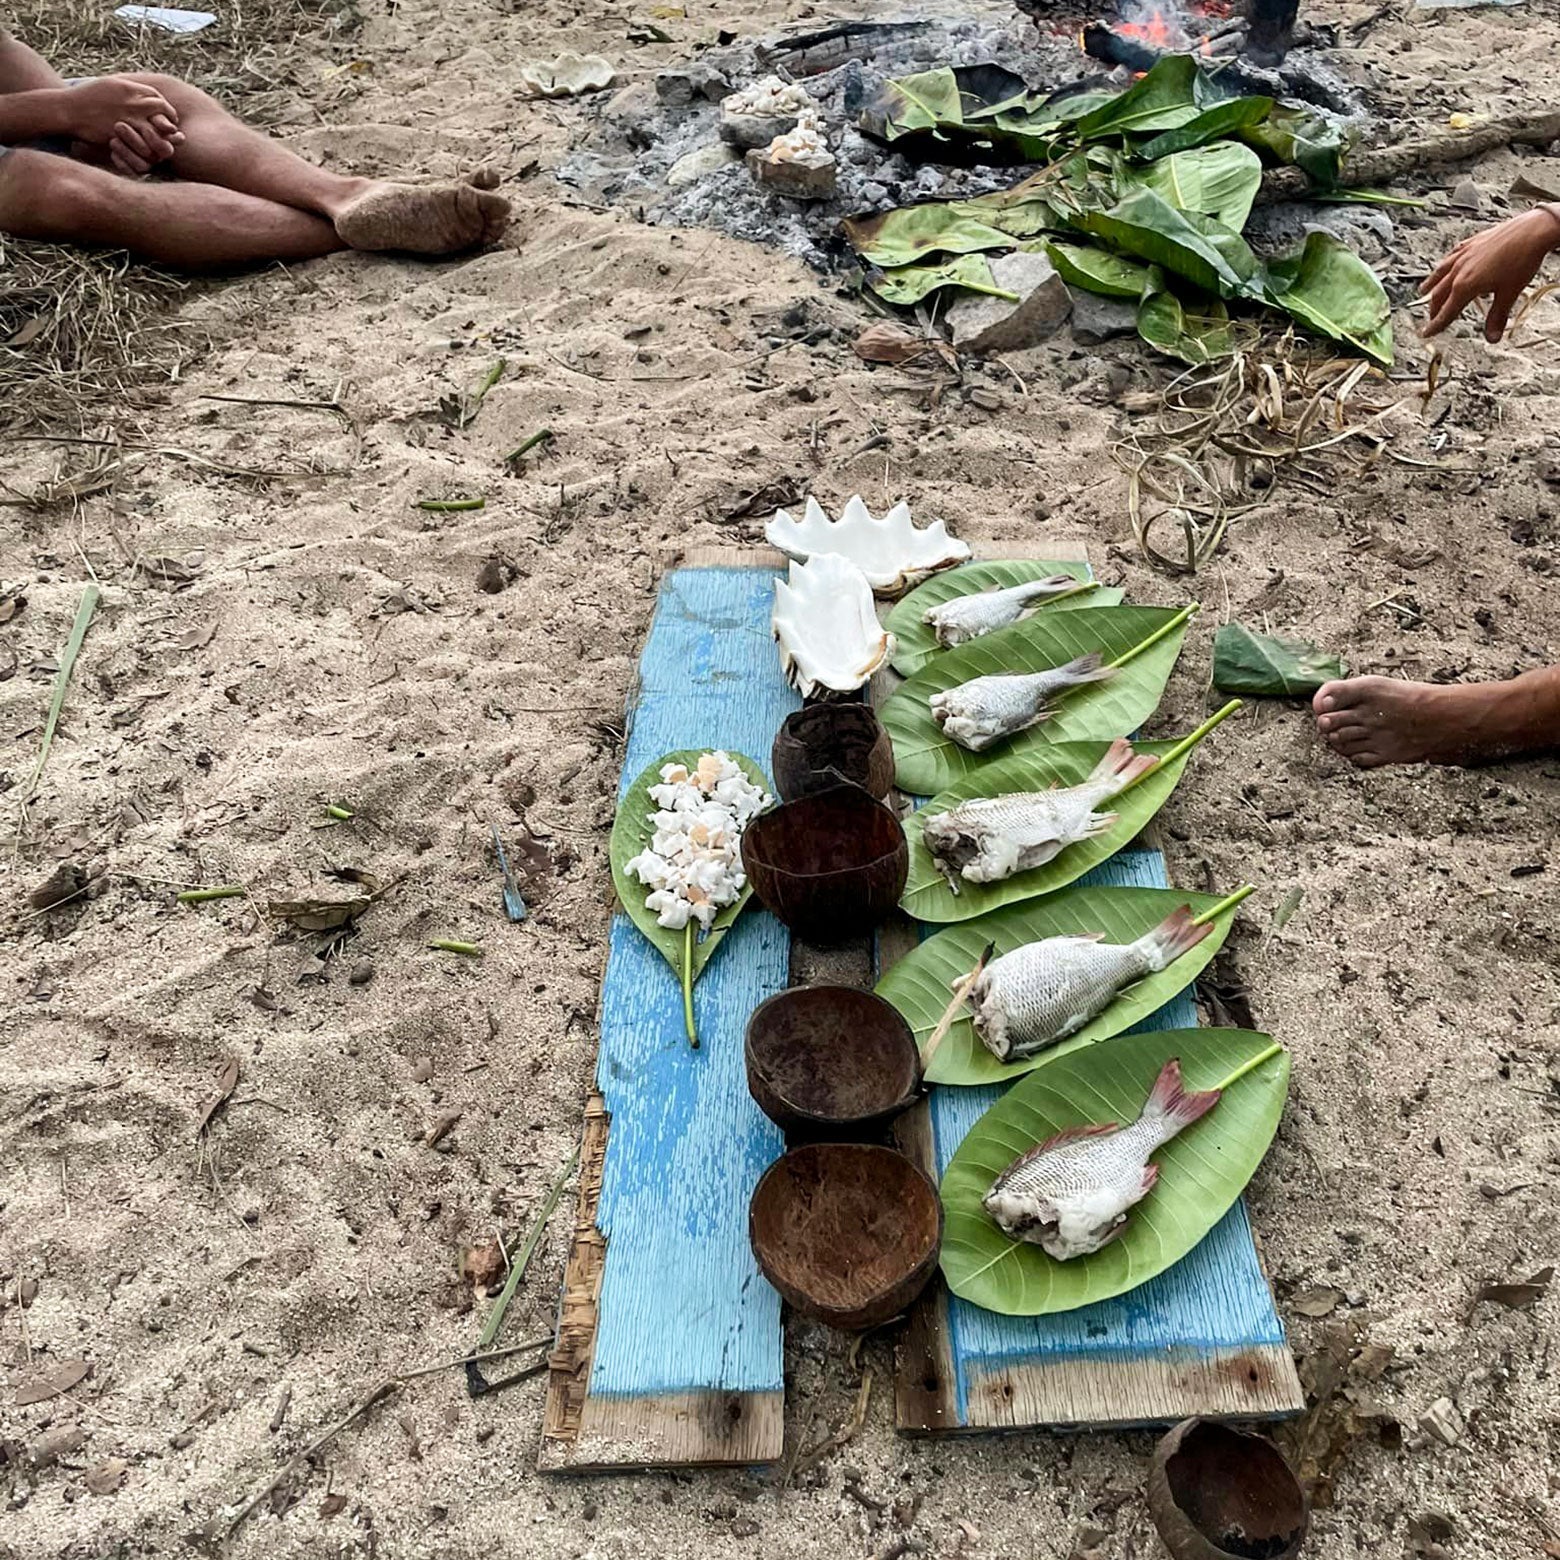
x: 1221, y: 181
x: 1328, y: 287
x: 1247, y: 662
x: 915, y: 643
x: 927, y: 895
x: 1211, y: 124
x: 1195, y: 334
x: 927, y: 761
x: 909, y: 284
x: 1165, y: 99
x: 911, y: 233
x: 1211, y: 256
x: 967, y: 112
x: 1201, y: 1172
x: 1099, y: 271
x: 1301, y: 137
x: 921, y: 983
x: 632, y: 831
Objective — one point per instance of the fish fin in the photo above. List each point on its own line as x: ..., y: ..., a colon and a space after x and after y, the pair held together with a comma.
x: 1150, y: 1177
x: 1173, y: 936
x: 1058, y: 582
x: 1099, y: 823
x: 1122, y: 765
x: 1086, y: 669
x: 1073, y: 1135
x: 1170, y: 1103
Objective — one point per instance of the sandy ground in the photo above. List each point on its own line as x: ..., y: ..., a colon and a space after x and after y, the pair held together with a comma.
x: 327, y: 644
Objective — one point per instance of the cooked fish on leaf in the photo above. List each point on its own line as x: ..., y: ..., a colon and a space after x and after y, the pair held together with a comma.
x: 980, y: 713
x: 987, y: 839
x: 1043, y: 992
x: 1071, y: 1195
x: 983, y: 612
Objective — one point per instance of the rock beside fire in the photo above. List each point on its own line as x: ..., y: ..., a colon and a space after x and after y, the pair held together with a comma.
x: 1096, y: 319
x: 981, y: 323
x: 814, y: 179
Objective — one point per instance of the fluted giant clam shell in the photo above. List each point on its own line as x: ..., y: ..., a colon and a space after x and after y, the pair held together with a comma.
x: 890, y: 552
x: 830, y: 638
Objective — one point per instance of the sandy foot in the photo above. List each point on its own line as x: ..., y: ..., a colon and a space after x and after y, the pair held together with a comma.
x: 442, y: 220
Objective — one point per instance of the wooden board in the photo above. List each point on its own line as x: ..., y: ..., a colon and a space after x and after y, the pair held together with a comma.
x: 669, y: 1348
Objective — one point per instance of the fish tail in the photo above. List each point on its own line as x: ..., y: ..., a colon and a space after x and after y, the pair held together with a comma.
x: 1171, y: 1107
x: 1120, y: 766
x: 1086, y: 669
x: 1175, y: 935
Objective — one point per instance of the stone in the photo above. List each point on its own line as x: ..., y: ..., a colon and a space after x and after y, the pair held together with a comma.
x: 699, y: 164
x: 1096, y: 319
x: 981, y: 323
x: 749, y: 131
x: 813, y: 180
x: 1468, y: 195
x: 678, y: 88
x: 1442, y: 1422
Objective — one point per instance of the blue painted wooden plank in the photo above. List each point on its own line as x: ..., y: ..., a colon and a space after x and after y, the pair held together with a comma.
x: 1216, y: 1297
x: 683, y: 1307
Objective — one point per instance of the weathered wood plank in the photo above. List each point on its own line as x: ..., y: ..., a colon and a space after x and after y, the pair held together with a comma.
x: 669, y: 1347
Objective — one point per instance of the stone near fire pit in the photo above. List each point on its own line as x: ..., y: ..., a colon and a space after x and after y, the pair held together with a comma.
x: 814, y: 178
x: 1096, y: 319
x: 981, y: 323
x: 699, y: 163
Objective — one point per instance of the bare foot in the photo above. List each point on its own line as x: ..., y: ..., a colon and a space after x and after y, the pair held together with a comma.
x: 439, y: 220
x: 1372, y: 721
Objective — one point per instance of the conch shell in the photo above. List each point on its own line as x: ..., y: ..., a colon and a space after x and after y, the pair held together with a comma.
x: 891, y: 552
x: 830, y: 638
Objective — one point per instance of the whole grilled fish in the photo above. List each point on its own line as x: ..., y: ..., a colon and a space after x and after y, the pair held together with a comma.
x: 1043, y: 992
x: 1071, y: 1194
x: 990, y: 838
x: 983, y: 711
x: 964, y: 618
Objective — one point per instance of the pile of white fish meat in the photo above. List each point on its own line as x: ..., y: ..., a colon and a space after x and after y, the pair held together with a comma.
x: 693, y: 865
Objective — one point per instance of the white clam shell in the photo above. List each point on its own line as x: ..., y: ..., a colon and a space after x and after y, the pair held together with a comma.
x: 827, y: 626
x: 891, y: 552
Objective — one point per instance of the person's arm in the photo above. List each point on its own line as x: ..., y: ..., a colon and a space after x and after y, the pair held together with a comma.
x: 1497, y: 263
x: 26, y: 116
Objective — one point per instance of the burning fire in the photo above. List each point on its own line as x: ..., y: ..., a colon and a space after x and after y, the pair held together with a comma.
x: 1168, y: 31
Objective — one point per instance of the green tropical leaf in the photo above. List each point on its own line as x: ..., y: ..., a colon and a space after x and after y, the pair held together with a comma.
x: 1302, y: 138
x: 1164, y: 99
x: 632, y: 831
x: 1201, y: 1172
x: 915, y: 644
x: 921, y: 983
x: 1099, y: 271
x: 927, y: 761
x: 909, y: 234
x: 1328, y: 287
x: 909, y: 284
x: 1225, y: 118
x: 1199, y: 335
x: 928, y: 896
x: 1246, y: 662
x: 1212, y: 257
x: 1220, y: 181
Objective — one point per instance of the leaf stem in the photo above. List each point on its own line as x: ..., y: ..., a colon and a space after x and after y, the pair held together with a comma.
x: 450, y: 506
x: 78, y: 632
x: 1213, y: 912
x: 335, y: 810
x: 520, y: 451
x: 1245, y: 1067
x: 201, y: 896
x: 1185, y: 745
x: 449, y: 945
x: 1082, y: 588
x: 687, y: 986
x: 1159, y: 633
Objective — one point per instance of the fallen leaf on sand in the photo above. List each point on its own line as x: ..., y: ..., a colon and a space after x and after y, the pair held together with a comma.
x: 483, y: 1266
x: 326, y: 915
x: 754, y: 503
x: 333, y: 1506
x: 194, y: 638
x: 55, y: 1444
x: 106, y: 1477
x: 59, y: 1380
x: 1316, y: 1302
x: 62, y: 885
x: 10, y: 606
x: 886, y: 343
x: 1518, y: 1295
x: 227, y: 1081
x: 175, y: 571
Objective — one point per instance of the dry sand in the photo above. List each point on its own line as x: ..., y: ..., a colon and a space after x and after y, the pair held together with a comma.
x: 330, y: 647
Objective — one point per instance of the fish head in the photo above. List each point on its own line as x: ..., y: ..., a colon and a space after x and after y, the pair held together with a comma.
x: 1020, y: 1216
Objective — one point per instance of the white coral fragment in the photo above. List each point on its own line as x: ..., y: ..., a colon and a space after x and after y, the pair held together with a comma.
x: 891, y: 552
x: 827, y: 626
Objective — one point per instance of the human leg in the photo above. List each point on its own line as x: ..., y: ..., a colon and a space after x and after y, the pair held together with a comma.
x: 1373, y: 721
x: 367, y: 213
x: 189, y: 226
x: 22, y: 69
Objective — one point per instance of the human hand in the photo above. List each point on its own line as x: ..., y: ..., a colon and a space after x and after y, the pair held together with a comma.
x: 135, y: 122
x: 1497, y: 263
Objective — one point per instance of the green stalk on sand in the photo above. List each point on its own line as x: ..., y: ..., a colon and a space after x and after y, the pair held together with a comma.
x: 451, y: 506
x: 89, y: 601
x: 448, y: 945
x: 1250, y: 1066
x: 1186, y: 744
x: 1213, y: 912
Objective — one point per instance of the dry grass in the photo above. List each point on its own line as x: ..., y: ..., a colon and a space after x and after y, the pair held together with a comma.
x: 82, y: 334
